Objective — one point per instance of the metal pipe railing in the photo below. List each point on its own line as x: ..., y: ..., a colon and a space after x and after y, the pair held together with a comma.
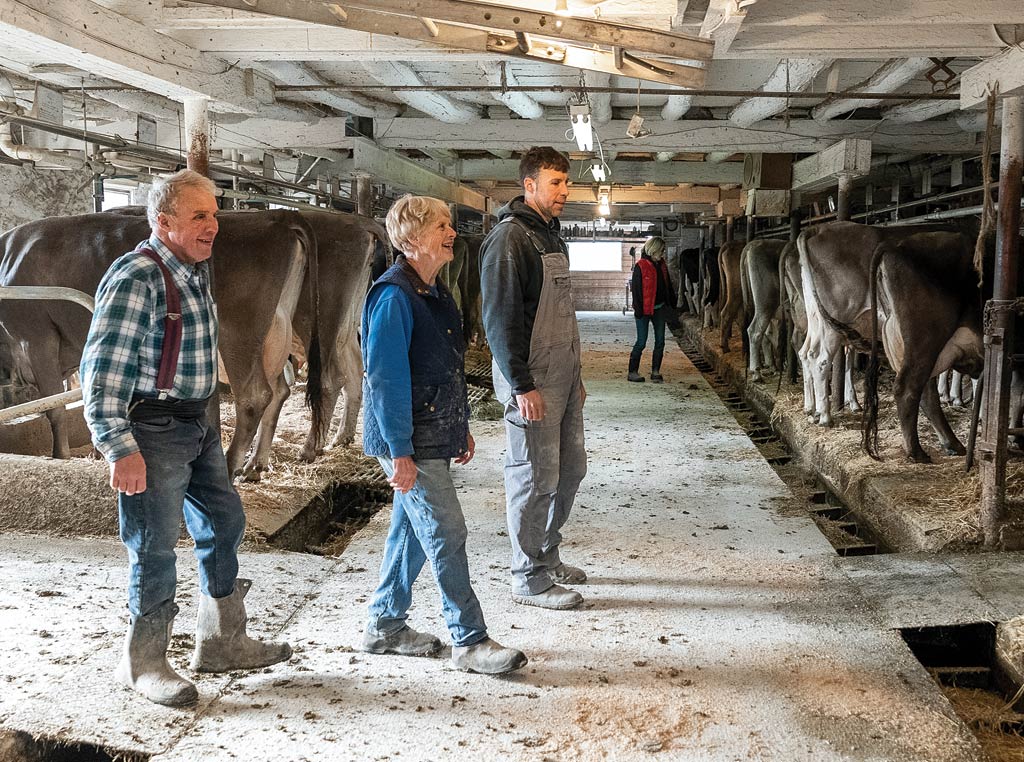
x: 44, y: 292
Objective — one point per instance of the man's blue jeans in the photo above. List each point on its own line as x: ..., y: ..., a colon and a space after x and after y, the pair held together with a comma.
x: 427, y: 525
x: 642, y: 326
x: 185, y: 471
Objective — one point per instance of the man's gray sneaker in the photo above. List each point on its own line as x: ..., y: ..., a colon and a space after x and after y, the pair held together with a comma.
x: 405, y: 642
x: 555, y: 597
x: 487, y: 658
x: 563, y: 574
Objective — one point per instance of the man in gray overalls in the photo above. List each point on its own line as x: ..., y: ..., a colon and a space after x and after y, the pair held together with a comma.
x: 531, y: 327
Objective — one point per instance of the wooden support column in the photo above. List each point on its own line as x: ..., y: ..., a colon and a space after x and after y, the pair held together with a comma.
x: 197, y: 135
x: 197, y: 141
x: 839, y: 364
x: 364, y: 195
x: 999, y: 336
x: 729, y: 223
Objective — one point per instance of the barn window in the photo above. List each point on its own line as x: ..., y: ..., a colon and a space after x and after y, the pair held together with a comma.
x: 590, y: 256
x: 113, y: 197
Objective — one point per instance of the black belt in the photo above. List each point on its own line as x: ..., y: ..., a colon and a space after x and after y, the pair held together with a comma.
x: 149, y: 408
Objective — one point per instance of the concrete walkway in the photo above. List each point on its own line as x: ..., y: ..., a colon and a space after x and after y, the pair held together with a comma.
x: 714, y: 628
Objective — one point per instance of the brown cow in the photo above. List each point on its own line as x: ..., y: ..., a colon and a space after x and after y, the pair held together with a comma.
x: 260, y: 273
x: 759, y: 276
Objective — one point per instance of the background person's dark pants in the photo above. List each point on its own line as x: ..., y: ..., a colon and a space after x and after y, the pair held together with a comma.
x: 642, y: 326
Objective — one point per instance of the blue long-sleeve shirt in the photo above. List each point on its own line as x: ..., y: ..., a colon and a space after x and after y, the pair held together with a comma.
x: 387, y: 338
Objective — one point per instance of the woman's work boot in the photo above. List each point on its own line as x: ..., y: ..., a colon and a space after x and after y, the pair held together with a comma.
x: 221, y: 642
x: 656, y: 377
x: 634, y: 367
x: 144, y: 666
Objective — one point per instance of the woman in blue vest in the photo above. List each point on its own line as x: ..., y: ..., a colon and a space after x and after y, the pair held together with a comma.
x: 415, y: 422
x: 651, y: 289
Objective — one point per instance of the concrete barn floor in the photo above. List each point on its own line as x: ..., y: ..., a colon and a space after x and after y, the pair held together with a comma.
x: 714, y: 627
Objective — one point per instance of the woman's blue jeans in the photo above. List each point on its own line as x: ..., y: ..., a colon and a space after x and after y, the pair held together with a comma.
x: 427, y: 525
x: 185, y: 472
x: 642, y: 326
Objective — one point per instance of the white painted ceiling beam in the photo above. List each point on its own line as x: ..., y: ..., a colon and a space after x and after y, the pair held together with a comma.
x: 792, y: 74
x: 587, y: 194
x: 1005, y: 69
x: 435, y: 104
x: 86, y: 35
x: 802, y: 135
x: 918, y: 111
x: 600, y: 103
x: 501, y: 75
x: 293, y: 73
x: 722, y: 23
x: 889, y: 77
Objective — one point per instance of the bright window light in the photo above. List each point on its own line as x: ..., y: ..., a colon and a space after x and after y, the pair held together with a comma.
x: 604, y: 256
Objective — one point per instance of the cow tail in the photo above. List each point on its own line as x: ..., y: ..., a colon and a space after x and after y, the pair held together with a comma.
x: 745, y: 318
x: 314, y: 380
x: 869, y: 416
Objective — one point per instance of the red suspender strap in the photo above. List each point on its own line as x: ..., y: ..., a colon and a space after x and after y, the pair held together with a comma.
x: 172, y: 328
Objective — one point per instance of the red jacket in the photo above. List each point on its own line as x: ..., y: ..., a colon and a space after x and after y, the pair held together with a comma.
x: 644, y: 284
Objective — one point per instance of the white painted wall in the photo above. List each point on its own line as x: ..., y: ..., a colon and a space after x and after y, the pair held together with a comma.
x: 29, y: 194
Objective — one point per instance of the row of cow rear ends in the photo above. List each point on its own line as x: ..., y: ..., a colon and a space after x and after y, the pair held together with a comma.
x: 911, y: 292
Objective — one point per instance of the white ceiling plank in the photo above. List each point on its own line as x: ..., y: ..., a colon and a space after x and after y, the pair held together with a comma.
x: 884, y: 13
x: 438, y: 105
x: 889, y: 77
x: 790, y: 74
x: 93, y: 38
x: 866, y: 41
x: 802, y: 136
x: 501, y: 75
x: 628, y: 172
x: 1005, y: 69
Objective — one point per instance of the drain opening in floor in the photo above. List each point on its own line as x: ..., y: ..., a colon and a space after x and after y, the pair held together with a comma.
x: 962, y: 660
x: 17, y: 746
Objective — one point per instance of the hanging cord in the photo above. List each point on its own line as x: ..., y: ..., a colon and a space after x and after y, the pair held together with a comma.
x: 988, y: 211
x: 788, y: 90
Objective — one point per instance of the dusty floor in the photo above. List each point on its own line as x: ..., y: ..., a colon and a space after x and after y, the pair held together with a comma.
x: 714, y: 628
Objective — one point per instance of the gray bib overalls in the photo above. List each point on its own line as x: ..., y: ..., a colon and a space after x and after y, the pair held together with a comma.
x: 546, y: 460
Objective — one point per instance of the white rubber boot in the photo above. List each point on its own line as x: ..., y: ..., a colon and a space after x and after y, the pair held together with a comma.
x: 144, y: 666
x: 221, y: 642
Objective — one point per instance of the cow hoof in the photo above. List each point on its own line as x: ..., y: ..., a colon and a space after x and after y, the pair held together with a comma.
x: 825, y: 422
x: 854, y: 408
x: 944, y: 399
x: 921, y: 457
x: 957, y: 449
x: 756, y: 378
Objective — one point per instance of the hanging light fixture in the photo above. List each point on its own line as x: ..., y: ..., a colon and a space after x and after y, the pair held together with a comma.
x: 582, y: 127
x: 561, y: 8
x: 597, y: 169
x: 604, y: 201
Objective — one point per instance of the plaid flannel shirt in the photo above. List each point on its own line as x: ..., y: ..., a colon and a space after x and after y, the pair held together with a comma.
x: 122, y: 353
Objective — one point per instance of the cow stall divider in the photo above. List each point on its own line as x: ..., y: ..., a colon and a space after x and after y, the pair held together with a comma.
x: 44, y: 292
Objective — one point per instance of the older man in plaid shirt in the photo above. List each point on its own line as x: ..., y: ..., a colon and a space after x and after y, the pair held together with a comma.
x: 148, y: 370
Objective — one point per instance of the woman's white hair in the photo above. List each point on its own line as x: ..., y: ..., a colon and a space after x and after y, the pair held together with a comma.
x: 410, y: 215
x: 655, y: 248
x: 163, y: 196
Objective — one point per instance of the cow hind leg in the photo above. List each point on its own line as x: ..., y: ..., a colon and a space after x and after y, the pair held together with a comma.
x: 932, y: 408
x: 259, y: 461
x: 43, y: 356
x: 851, y: 391
x: 351, y: 393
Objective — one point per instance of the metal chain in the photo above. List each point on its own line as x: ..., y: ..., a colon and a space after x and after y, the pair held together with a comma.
x: 995, y: 307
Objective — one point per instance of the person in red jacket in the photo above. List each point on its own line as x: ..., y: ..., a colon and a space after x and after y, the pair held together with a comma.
x: 652, y: 289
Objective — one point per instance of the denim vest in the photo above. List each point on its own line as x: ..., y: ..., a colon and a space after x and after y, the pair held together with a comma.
x: 440, y: 415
